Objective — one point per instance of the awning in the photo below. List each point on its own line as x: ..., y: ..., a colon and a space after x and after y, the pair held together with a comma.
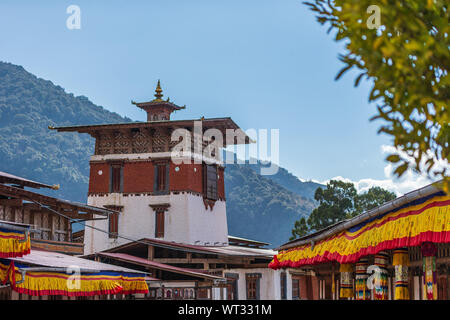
x: 8, y: 178
x: 157, y: 265
x: 14, y: 240
x: 48, y: 273
x: 424, y: 220
x: 43, y: 200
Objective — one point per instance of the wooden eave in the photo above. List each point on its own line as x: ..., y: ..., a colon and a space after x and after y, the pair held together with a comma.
x: 66, y: 207
x: 12, y: 179
x: 219, y: 123
x: 156, y: 104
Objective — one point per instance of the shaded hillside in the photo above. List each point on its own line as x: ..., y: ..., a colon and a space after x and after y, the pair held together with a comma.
x: 259, y: 207
x: 287, y: 180
x: 28, y: 105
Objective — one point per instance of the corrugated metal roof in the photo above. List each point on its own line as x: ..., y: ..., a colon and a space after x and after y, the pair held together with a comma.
x: 247, y: 241
x: 157, y: 265
x: 244, y: 251
x: 46, y: 200
x: 12, y: 179
x: 58, y: 260
x: 230, y: 250
x: 141, y: 124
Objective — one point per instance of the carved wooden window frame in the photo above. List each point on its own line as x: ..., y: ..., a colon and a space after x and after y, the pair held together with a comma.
x: 116, y: 173
x: 212, y: 194
x: 161, y: 177
x: 253, y: 286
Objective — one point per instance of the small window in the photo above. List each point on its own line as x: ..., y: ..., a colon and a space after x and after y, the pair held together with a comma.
x: 210, y: 182
x: 113, y: 224
x: 159, y: 224
x: 161, y: 178
x: 253, y: 286
x: 251, y: 289
x: 116, y: 178
x: 295, y: 289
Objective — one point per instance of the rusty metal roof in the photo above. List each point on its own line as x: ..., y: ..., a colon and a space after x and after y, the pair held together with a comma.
x: 228, y: 250
x: 58, y: 260
x: 46, y: 200
x: 12, y: 179
x: 157, y: 265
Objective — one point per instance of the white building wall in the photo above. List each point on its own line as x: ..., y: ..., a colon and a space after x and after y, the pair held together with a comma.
x: 270, y: 285
x: 289, y: 285
x: 186, y: 220
x: 172, y: 284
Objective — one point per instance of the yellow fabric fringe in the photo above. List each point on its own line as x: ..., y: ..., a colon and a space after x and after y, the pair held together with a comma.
x: 10, y: 245
x: 39, y: 283
x: 435, y: 219
x: 58, y: 283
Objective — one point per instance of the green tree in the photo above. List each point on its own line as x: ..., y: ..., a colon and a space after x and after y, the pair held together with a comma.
x: 339, y: 201
x: 373, y: 198
x: 300, y: 229
x: 407, y: 57
x: 335, y: 204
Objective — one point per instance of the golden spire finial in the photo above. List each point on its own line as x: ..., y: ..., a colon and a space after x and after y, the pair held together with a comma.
x: 158, y: 91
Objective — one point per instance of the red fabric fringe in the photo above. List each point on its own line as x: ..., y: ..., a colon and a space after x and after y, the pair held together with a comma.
x: 429, y: 236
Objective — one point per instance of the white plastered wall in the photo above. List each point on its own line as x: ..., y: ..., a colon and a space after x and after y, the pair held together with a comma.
x: 186, y: 220
x: 269, y: 283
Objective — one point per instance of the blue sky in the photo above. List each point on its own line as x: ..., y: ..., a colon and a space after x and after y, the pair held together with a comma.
x: 265, y: 63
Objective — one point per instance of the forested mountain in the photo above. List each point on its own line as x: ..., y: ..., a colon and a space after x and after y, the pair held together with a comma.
x: 28, y: 105
x: 259, y: 207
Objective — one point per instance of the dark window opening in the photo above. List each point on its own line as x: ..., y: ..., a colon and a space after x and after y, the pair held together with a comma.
x: 159, y: 226
x: 162, y: 178
x: 251, y: 289
x: 252, y: 281
x: 295, y: 289
x: 116, y: 179
x: 210, y: 182
x: 113, y: 224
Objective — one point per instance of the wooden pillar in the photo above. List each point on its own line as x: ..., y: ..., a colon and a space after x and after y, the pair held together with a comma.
x: 150, y: 252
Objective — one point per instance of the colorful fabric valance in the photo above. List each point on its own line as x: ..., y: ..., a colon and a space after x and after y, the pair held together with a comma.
x: 13, y: 243
x: 42, y: 283
x: 424, y: 220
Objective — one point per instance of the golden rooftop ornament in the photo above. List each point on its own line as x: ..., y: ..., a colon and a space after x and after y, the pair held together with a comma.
x: 158, y: 94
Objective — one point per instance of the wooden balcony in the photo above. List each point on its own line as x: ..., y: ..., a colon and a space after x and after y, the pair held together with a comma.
x: 70, y: 248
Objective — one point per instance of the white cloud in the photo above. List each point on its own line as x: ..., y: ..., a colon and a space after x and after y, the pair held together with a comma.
x: 408, y: 182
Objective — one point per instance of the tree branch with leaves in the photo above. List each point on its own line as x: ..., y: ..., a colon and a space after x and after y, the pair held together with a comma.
x: 407, y: 57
